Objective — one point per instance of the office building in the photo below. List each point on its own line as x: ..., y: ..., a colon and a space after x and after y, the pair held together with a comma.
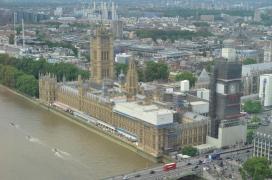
x: 122, y: 58
x: 117, y: 29
x: 262, y: 142
x: 268, y: 53
x: 184, y: 86
x: 265, y: 91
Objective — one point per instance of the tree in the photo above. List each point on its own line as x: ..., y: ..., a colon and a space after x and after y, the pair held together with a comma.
x: 11, y: 39
x: 22, y: 74
x: 189, y: 150
x: 257, y: 168
x: 156, y: 71
x: 249, y: 61
x: 252, y: 106
x: 34, y: 67
x: 186, y: 76
x: 9, y: 76
x: 255, y: 119
x: 141, y: 75
x: 172, y: 35
x: 119, y: 67
x: 250, y: 134
x: 27, y: 84
x: 18, y: 30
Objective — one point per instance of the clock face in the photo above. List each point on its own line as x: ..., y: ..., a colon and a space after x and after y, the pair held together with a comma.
x: 232, y: 88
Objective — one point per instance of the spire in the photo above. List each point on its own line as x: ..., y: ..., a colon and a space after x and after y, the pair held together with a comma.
x: 94, y: 6
x: 113, y: 11
x: 203, y: 77
x: 132, y: 80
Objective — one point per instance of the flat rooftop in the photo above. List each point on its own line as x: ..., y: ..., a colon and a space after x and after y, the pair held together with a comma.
x: 151, y: 114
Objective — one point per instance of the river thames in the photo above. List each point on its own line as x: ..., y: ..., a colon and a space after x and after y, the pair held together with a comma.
x: 36, y: 144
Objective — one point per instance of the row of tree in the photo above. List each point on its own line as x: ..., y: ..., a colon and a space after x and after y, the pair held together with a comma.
x: 156, y: 71
x: 181, y: 12
x: 34, y: 67
x: 170, y: 34
x: 22, y: 74
x: 149, y: 72
x: 15, y: 79
x: 186, y: 75
x: 256, y: 168
x: 252, y: 106
x: 249, y: 61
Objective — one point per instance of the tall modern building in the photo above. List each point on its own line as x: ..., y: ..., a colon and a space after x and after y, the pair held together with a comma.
x: 225, y: 102
x: 117, y: 29
x: 102, y: 60
x: 265, y: 91
x: 268, y: 53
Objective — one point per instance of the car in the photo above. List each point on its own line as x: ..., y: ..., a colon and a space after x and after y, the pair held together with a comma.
x: 230, y: 176
x: 195, y: 167
x: 152, y: 172
x: 188, y: 164
x: 137, y: 175
x: 248, y: 151
x: 200, y: 162
x: 125, y: 177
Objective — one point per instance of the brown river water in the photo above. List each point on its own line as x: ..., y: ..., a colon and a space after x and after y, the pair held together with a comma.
x: 38, y: 145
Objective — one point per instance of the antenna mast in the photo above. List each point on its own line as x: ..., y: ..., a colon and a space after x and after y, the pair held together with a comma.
x: 23, y: 33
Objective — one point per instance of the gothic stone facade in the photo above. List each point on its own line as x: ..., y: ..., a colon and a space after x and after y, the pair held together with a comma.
x: 102, y: 60
x: 151, y: 139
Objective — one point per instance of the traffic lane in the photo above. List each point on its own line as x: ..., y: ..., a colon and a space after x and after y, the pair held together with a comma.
x: 160, y: 169
x: 145, y: 172
x: 162, y: 174
x: 155, y: 171
x: 194, y: 161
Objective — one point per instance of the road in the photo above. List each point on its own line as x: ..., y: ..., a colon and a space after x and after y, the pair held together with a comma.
x: 229, y: 157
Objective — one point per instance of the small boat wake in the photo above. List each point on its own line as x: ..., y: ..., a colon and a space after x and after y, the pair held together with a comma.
x: 60, y: 154
x: 34, y: 140
x: 14, y: 125
x: 64, y: 153
x: 66, y: 156
x: 57, y: 152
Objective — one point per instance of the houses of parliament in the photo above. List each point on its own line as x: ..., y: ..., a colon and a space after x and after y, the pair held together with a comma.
x: 119, y: 106
x: 114, y: 105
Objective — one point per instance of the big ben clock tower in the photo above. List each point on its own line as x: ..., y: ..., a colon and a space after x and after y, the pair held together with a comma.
x: 225, y: 98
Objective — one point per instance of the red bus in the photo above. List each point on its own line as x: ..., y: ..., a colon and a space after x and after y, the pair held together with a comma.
x: 170, y: 166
